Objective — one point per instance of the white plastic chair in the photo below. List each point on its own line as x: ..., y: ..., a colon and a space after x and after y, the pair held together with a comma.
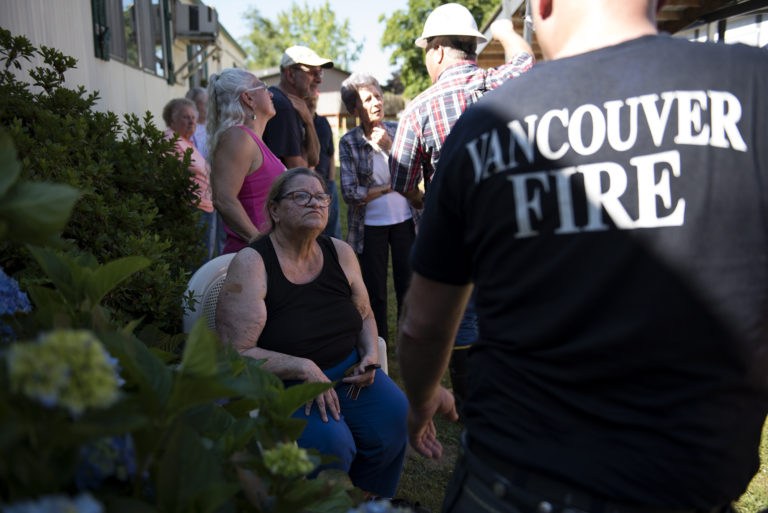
x: 206, y: 284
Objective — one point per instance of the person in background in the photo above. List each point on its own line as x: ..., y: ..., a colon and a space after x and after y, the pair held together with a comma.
x: 326, y: 166
x: 243, y: 168
x: 180, y: 117
x: 378, y: 219
x: 450, y: 39
x: 200, y: 96
x: 295, y: 298
x: 610, y: 208
x: 290, y: 134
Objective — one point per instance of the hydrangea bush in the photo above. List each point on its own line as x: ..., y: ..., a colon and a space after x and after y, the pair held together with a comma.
x: 95, y: 418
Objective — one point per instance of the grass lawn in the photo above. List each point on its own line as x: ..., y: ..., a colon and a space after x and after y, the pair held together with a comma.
x: 424, y: 480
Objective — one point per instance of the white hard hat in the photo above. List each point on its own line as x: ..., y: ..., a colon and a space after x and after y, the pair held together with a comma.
x: 450, y: 20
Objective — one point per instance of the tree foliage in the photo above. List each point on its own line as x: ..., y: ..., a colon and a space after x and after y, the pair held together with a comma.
x: 403, y: 28
x: 316, y: 28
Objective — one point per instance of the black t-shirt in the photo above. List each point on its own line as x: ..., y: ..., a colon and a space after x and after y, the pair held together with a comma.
x: 325, y: 136
x: 611, y: 209
x: 315, y: 320
x: 283, y: 133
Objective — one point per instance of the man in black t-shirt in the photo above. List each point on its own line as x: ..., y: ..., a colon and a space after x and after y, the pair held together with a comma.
x: 290, y: 134
x: 610, y: 208
x: 326, y: 166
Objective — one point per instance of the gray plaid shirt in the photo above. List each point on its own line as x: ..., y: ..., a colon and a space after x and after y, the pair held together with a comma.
x: 356, y: 162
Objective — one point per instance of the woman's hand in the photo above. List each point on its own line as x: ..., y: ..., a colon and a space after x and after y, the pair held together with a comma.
x: 363, y: 373
x: 328, y: 400
x: 380, y: 137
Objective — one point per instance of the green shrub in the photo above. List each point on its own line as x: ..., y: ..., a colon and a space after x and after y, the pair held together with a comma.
x: 93, y: 419
x: 136, y: 194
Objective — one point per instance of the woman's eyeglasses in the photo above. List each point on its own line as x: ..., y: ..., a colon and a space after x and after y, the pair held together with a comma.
x: 258, y: 87
x: 302, y: 198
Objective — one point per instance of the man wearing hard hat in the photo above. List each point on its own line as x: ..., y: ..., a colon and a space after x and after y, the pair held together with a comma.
x: 450, y: 39
x: 610, y: 209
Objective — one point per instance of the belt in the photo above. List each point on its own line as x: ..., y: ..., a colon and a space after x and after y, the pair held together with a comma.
x: 541, y: 494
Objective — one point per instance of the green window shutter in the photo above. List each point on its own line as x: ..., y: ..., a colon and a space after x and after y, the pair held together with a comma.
x: 168, y: 43
x: 101, y: 31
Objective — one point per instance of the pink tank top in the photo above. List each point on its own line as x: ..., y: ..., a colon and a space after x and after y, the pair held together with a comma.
x: 253, y: 194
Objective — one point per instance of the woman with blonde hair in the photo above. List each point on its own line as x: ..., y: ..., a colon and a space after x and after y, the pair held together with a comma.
x: 242, y: 167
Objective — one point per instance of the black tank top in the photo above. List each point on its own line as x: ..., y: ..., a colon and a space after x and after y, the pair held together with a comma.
x: 315, y: 320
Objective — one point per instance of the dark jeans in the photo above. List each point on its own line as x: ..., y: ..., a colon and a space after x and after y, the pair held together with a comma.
x: 333, y: 228
x: 374, y: 263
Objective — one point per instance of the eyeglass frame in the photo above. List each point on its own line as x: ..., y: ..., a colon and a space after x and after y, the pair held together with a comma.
x: 309, y: 71
x: 257, y: 88
x: 322, y: 198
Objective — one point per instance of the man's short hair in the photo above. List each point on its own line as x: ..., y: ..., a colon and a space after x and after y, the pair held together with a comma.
x: 465, y: 47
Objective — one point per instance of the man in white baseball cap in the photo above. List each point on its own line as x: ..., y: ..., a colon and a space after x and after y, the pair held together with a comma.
x: 290, y: 134
x: 450, y: 39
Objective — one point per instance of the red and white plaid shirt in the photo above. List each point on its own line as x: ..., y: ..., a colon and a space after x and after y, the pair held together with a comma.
x: 429, y: 118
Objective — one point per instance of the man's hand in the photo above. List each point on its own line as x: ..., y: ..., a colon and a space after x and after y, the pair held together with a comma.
x: 421, y: 428
x: 415, y: 198
x: 503, y: 31
x: 301, y: 107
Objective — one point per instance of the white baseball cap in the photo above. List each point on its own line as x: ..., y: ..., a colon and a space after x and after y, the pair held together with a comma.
x: 450, y: 20
x: 303, y: 55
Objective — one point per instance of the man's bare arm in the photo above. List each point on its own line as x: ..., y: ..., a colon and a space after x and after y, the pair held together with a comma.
x: 431, y: 315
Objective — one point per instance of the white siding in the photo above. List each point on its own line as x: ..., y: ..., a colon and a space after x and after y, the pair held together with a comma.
x: 67, y: 26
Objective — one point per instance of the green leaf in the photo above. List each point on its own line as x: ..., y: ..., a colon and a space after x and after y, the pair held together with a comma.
x: 187, y: 472
x: 9, y: 164
x: 58, y: 269
x: 140, y: 367
x: 190, y: 391
x: 199, y: 357
x: 296, y: 396
x: 37, y: 212
x: 106, y: 277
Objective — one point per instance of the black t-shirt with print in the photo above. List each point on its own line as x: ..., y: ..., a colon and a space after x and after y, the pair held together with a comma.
x: 611, y: 209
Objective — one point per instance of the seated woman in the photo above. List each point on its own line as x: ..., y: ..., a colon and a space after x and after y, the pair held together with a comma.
x: 296, y: 298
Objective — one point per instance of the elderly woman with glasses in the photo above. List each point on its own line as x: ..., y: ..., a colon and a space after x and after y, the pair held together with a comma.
x: 296, y: 299
x: 379, y: 219
x: 243, y: 168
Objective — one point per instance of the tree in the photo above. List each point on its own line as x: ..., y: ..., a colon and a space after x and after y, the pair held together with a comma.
x: 403, y: 28
x: 316, y: 28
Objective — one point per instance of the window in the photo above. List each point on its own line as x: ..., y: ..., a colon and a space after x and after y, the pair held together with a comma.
x: 135, y: 33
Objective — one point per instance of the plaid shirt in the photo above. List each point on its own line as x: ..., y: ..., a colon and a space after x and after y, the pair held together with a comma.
x: 356, y: 163
x: 429, y: 118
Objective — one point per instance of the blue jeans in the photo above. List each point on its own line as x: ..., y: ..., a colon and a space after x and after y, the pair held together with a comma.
x: 333, y: 228
x: 370, y: 437
x: 207, y: 220
x: 221, y: 235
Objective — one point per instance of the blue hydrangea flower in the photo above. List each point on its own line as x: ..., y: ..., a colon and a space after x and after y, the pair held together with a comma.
x: 105, y: 458
x: 83, y: 503
x: 12, y: 300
